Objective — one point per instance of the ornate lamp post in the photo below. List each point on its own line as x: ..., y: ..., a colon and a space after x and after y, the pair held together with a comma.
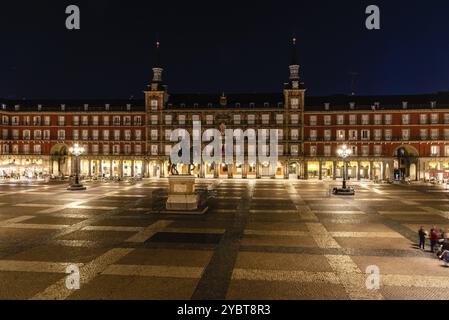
x: 344, y: 153
x: 76, y: 151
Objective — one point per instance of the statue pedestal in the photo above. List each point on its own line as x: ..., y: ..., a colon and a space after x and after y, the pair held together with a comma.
x: 181, y: 194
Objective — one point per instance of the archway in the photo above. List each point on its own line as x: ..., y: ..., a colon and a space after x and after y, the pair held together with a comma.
x: 59, y: 160
x: 293, y: 170
x: 406, y: 165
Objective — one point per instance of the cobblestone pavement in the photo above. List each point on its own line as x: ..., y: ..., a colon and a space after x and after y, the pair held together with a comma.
x: 264, y: 239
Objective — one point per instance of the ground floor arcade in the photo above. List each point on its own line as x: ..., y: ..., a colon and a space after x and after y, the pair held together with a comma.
x: 19, y: 167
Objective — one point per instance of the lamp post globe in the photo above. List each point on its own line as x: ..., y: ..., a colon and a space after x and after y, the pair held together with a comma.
x: 76, y: 151
x: 344, y: 152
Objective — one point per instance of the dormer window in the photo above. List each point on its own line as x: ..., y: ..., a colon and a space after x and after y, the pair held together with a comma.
x: 352, y: 105
x: 237, y: 105
x: 433, y: 104
x: 404, y: 105
x: 183, y: 105
x: 209, y: 105
x: 39, y: 107
x: 128, y: 107
x: 62, y: 107
x: 195, y: 105
x: 252, y: 104
x: 86, y: 107
x: 327, y: 106
x: 107, y: 106
x: 280, y: 104
x: 17, y: 107
x: 266, y: 104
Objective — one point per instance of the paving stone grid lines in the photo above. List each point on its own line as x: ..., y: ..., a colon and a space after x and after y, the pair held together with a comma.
x: 261, y: 239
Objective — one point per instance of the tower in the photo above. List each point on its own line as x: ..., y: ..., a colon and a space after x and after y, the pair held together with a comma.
x: 155, y: 98
x: 294, y: 107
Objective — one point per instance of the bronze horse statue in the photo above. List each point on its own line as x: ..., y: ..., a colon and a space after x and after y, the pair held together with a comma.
x: 173, y: 166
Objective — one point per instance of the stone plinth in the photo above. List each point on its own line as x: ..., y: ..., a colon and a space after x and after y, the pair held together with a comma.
x: 181, y: 194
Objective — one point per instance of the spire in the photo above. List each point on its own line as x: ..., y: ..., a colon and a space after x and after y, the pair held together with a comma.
x: 294, y: 67
x: 158, y: 54
x: 157, y: 69
x: 294, y: 57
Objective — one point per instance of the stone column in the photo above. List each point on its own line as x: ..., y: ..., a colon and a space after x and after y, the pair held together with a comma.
x: 216, y: 171
x: 230, y: 171
x: 244, y: 173
x: 358, y: 171
x: 320, y: 170
x: 110, y: 168
x: 371, y: 170
x: 306, y: 170
x: 90, y: 167
x: 257, y: 170
x: 132, y: 168
x: 334, y: 170
x: 203, y: 170
x: 286, y: 169
x: 144, y: 169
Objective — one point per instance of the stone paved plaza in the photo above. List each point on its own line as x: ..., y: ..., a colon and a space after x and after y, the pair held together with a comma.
x: 264, y: 239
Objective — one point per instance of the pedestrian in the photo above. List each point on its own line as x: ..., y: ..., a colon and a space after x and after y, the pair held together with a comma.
x: 422, y: 238
x: 441, y: 237
x: 434, y: 237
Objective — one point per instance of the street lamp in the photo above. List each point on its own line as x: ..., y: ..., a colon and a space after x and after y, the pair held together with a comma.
x: 344, y: 153
x: 76, y: 151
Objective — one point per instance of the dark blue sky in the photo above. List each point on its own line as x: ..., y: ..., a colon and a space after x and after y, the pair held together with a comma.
x: 221, y: 46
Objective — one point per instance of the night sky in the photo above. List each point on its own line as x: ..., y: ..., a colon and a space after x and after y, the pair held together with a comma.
x: 218, y: 46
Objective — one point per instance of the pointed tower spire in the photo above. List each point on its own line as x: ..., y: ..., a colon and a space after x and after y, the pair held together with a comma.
x: 294, y: 66
x: 158, y: 54
x: 157, y: 69
x: 294, y: 60
x: 294, y: 82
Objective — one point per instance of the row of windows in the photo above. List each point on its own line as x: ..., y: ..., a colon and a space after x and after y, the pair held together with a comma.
x: 63, y: 107
x: 377, y: 119
x: 76, y: 120
x: 294, y: 104
x: 237, y: 119
x: 93, y: 149
x: 294, y: 133
x: 76, y: 134
x: 294, y: 150
x: 435, y: 151
x: 378, y: 134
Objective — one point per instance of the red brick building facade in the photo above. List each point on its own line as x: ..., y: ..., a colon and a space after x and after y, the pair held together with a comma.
x: 390, y: 136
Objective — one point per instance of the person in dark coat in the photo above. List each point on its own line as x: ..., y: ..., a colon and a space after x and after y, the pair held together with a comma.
x: 422, y: 238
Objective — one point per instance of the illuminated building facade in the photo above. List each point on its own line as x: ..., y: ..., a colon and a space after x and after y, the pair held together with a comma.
x: 391, y: 137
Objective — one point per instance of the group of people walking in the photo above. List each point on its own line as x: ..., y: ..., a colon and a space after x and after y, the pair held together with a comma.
x: 439, y: 241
